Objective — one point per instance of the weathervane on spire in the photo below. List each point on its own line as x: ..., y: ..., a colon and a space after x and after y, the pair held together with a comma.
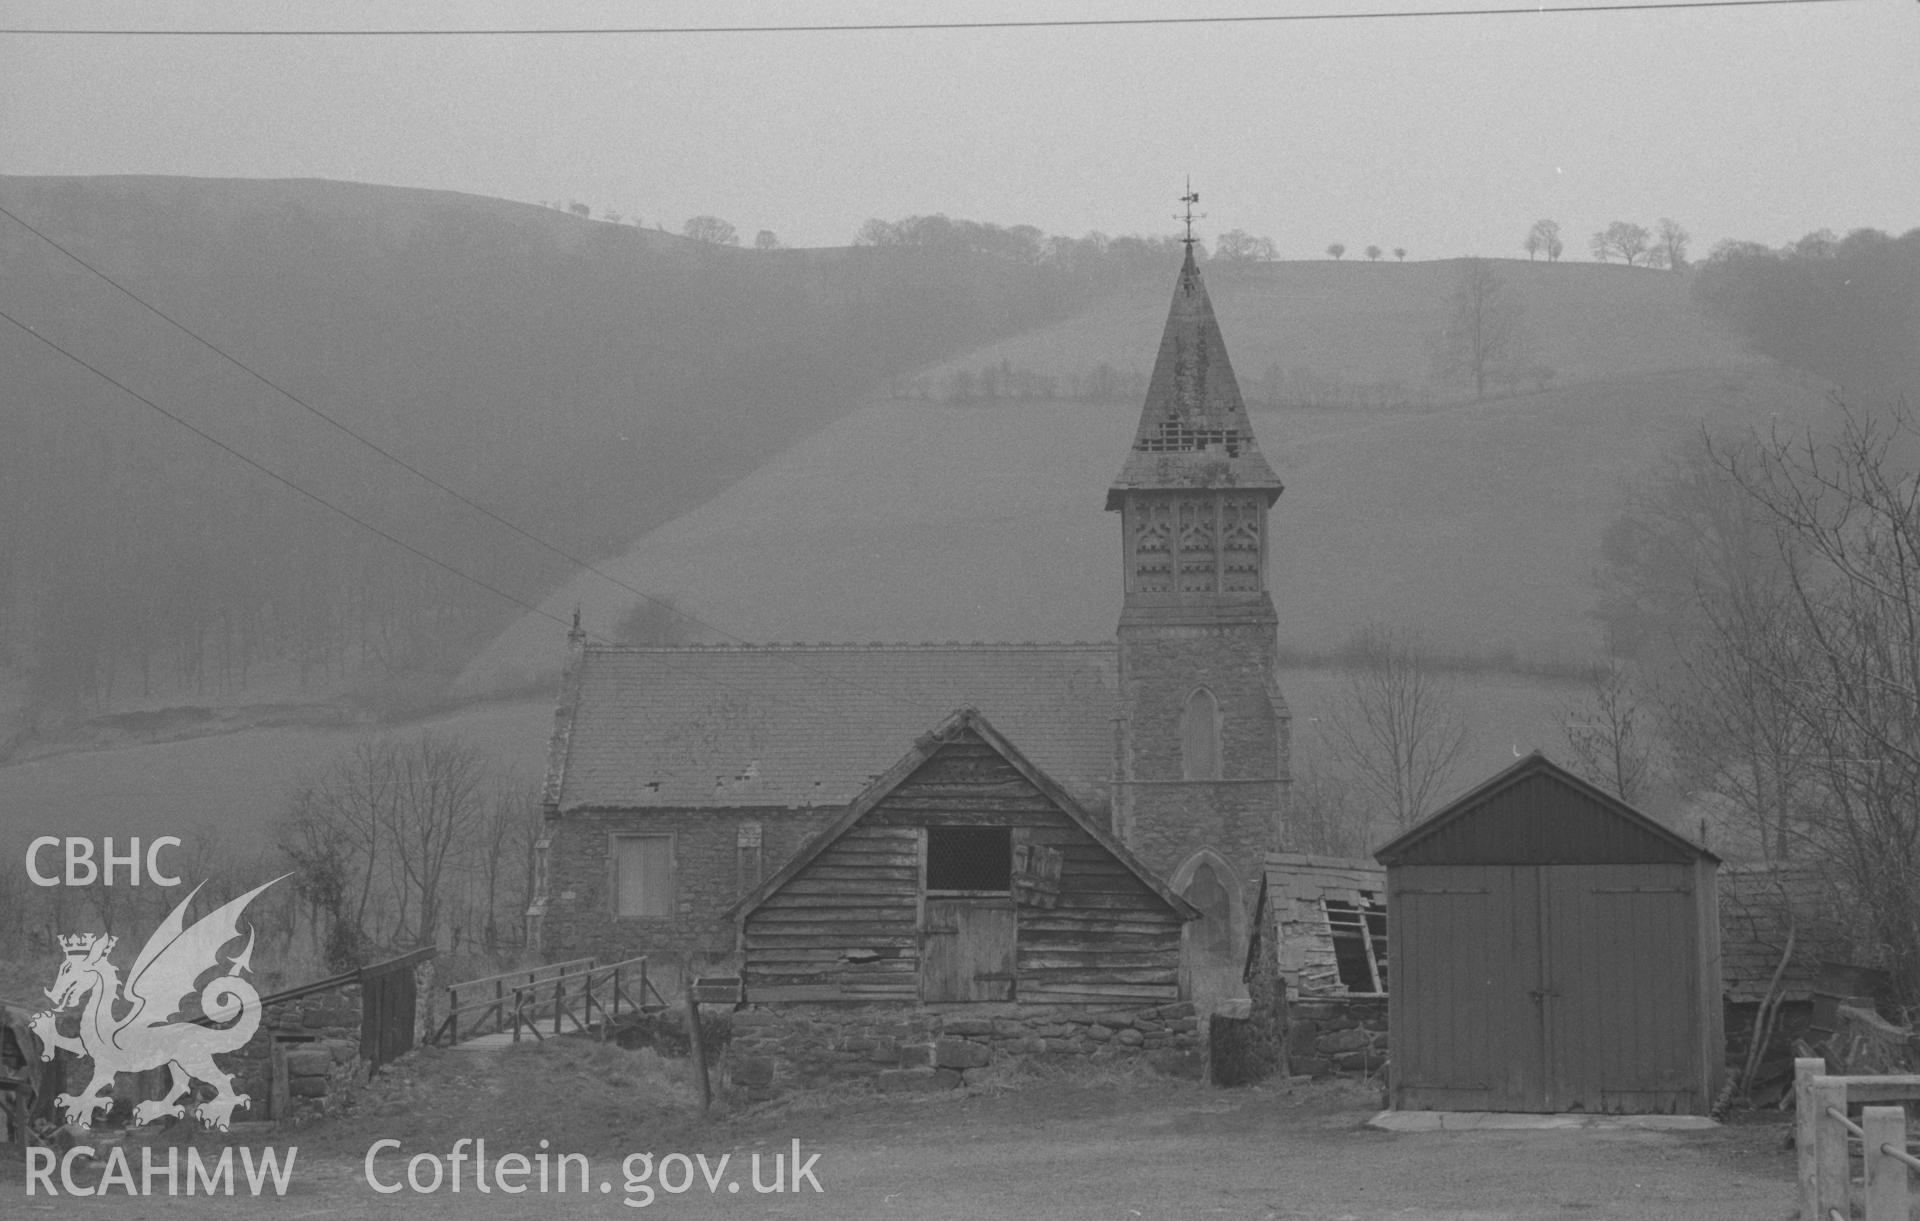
x: 1191, y: 198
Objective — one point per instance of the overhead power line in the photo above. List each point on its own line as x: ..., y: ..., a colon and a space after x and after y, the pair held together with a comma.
x: 917, y: 26
x: 274, y: 475
x: 364, y: 524
x: 409, y: 467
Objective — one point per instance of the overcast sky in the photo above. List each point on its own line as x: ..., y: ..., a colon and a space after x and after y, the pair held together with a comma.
x: 1446, y: 135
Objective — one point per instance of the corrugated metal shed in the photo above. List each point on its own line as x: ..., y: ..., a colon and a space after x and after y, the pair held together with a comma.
x: 1554, y: 950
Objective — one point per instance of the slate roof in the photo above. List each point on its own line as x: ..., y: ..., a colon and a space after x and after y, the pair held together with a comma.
x: 1194, y: 429
x: 734, y: 726
x: 1757, y: 904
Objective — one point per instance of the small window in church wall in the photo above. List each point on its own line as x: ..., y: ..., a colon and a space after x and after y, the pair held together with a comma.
x: 643, y: 876
x: 1200, y: 737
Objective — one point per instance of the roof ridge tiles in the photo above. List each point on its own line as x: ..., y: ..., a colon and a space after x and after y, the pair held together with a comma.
x: 898, y: 646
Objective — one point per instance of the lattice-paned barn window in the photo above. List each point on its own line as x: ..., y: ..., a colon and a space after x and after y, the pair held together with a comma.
x: 1153, y: 547
x: 970, y: 858
x: 1213, y: 932
x: 1359, y: 941
x: 1240, y: 545
x: 1197, y: 558
x: 643, y: 876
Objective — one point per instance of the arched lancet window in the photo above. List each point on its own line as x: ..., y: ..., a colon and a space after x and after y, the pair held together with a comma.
x: 1200, y: 737
x: 1213, y: 932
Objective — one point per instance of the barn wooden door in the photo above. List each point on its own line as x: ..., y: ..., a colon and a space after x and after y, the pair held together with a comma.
x: 1466, y: 1001
x: 1622, y: 1014
x: 968, y: 950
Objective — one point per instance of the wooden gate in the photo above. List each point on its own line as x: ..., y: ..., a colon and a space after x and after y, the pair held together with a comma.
x: 968, y: 950
x: 1544, y: 988
x: 388, y: 996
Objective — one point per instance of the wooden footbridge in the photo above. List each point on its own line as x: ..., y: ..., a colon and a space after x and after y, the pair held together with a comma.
x: 576, y: 996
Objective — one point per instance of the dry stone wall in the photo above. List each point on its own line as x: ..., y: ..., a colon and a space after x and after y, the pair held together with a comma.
x: 1337, y: 1034
x: 897, y: 1048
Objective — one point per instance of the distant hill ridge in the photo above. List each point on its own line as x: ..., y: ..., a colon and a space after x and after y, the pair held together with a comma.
x: 1476, y: 522
x: 584, y: 380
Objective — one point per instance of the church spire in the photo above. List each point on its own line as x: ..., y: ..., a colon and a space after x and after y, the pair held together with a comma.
x: 1194, y: 431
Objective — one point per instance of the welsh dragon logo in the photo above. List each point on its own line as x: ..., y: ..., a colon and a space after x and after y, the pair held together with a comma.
x: 138, y: 1026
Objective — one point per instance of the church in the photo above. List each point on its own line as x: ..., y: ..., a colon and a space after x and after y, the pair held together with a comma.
x: 1076, y: 822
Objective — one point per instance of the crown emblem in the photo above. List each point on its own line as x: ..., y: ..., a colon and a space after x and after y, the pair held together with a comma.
x: 80, y: 944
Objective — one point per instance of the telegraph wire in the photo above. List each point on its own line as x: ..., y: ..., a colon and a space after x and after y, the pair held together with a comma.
x: 276, y: 476
x: 409, y: 547
x: 363, y: 523
x: 409, y: 467
x: 930, y: 26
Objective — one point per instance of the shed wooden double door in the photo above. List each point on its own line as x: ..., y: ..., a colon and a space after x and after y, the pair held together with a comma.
x: 1546, y: 988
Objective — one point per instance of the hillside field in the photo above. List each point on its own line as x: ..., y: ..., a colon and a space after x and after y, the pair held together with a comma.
x: 1479, y: 525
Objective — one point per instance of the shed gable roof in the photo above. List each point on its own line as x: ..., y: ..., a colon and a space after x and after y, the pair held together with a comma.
x: 792, y: 726
x: 965, y: 724
x: 1538, y: 813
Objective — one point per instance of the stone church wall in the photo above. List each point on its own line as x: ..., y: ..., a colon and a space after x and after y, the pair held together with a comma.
x: 711, y: 870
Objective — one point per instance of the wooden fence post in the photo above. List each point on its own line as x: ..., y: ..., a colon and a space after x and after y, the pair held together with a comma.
x: 696, y: 1041
x: 1805, y: 1069
x: 1833, y: 1176
x: 1886, y: 1176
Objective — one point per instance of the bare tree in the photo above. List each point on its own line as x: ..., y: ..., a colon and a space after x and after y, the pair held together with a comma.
x: 1691, y: 584
x: 1322, y: 812
x: 1610, y: 732
x: 382, y: 837
x: 1543, y: 237
x: 1396, y: 729
x: 1482, y: 336
x: 506, y: 836
x: 1844, y: 660
x: 1628, y: 240
x: 434, y: 823
x: 1239, y: 246
x: 656, y: 621
x: 1669, y: 246
x: 712, y: 230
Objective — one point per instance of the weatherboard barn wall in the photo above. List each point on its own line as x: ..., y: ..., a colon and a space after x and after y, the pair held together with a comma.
x: 1553, y: 950
x: 854, y: 920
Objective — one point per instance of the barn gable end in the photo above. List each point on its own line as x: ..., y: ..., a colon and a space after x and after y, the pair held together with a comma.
x: 853, y: 918
x: 1538, y: 813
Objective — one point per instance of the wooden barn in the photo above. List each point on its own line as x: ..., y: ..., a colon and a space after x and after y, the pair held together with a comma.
x: 1553, y: 950
x: 963, y: 874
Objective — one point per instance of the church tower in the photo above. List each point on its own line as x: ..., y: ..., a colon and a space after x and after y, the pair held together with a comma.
x: 1203, y: 732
